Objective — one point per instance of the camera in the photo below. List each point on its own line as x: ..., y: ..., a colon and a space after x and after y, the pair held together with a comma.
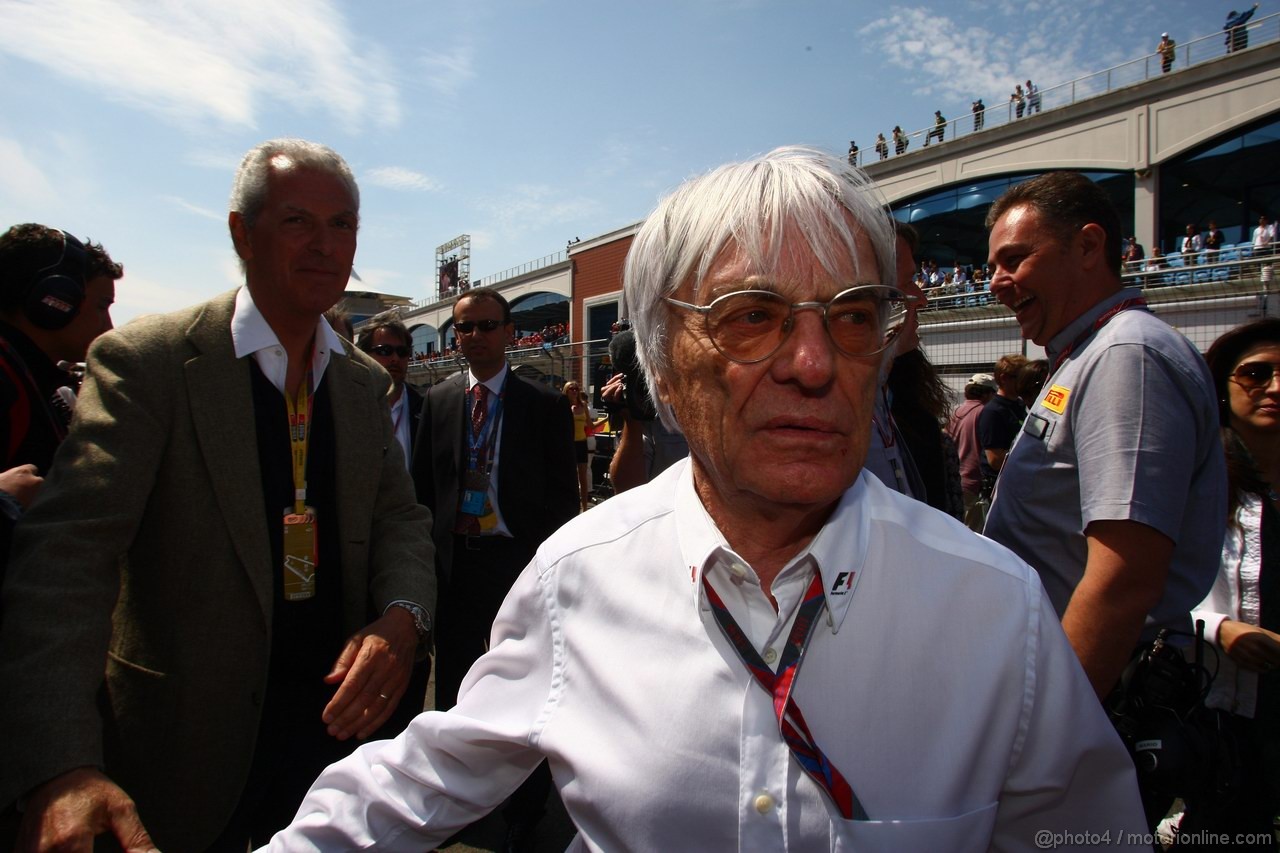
x: 636, y: 397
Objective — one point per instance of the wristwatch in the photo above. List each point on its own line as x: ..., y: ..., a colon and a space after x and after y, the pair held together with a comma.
x: 421, y: 618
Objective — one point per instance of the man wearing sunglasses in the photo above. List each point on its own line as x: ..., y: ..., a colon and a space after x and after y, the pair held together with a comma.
x: 1114, y: 489
x: 388, y: 342
x: 763, y: 648
x: 494, y: 461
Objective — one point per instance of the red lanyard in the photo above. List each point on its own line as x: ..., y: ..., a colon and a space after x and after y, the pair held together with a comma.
x: 1124, y: 305
x: 791, y: 724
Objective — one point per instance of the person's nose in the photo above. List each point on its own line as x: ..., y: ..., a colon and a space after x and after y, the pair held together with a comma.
x: 808, y: 354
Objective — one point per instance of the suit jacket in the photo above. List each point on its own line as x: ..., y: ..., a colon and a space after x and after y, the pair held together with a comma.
x: 537, y: 471
x: 148, y: 549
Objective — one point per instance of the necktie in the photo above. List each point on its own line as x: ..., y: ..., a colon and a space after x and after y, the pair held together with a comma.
x: 479, y: 409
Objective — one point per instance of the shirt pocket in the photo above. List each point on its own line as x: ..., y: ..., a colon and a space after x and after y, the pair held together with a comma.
x: 967, y: 832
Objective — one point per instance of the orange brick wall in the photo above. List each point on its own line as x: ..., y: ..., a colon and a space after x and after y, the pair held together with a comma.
x: 596, y: 271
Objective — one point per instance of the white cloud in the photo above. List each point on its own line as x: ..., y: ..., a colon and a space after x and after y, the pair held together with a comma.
x: 205, y: 212
x: 943, y: 57
x: 219, y: 60
x: 400, y: 178
x: 21, y: 180
x: 448, y: 71
x: 530, y: 206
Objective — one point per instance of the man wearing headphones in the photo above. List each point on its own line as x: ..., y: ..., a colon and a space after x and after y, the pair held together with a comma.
x: 55, y: 298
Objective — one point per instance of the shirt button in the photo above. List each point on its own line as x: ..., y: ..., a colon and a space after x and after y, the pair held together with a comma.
x: 738, y: 570
x: 770, y: 656
x: 763, y: 803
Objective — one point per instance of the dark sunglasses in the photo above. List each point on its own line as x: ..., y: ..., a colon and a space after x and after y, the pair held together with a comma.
x: 386, y: 350
x: 1254, y: 374
x: 466, y: 327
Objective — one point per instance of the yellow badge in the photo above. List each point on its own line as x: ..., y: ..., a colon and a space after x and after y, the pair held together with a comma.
x: 1055, y: 399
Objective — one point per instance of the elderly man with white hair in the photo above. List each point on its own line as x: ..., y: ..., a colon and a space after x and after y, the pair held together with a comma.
x: 764, y: 648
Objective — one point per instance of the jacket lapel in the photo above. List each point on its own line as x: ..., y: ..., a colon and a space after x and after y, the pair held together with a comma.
x: 220, y: 395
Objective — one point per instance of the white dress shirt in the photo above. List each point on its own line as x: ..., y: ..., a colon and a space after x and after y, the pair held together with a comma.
x: 1235, y: 595
x: 938, y: 681
x: 400, y: 421
x: 496, y: 385
x: 252, y: 335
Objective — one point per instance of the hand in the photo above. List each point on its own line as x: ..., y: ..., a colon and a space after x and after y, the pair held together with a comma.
x: 373, y: 670
x: 68, y: 811
x: 22, y: 482
x: 1252, y: 648
x: 614, y: 390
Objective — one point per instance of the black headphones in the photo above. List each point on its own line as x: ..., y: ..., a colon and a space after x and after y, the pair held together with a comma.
x: 57, y: 292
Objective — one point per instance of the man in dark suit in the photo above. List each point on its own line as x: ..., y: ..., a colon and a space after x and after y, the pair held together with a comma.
x: 497, y: 469
x: 229, y: 526
x: 387, y: 341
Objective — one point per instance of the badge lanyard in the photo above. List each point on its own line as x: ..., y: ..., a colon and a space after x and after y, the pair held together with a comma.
x: 791, y: 724
x: 1107, y: 316
x: 300, y: 542
x: 488, y: 435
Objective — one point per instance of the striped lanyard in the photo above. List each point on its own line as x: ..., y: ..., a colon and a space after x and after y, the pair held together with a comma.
x: 794, y: 730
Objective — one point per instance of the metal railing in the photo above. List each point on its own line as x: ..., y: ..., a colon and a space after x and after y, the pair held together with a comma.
x: 552, y: 363
x: 491, y: 280
x: 1205, y: 275
x: 1195, y: 52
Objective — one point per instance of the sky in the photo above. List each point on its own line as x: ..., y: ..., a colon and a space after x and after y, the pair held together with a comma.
x: 523, y: 123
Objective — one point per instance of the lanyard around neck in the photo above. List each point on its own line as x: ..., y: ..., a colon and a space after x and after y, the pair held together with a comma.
x: 1104, y: 319
x: 791, y: 724
x: 300, y: 413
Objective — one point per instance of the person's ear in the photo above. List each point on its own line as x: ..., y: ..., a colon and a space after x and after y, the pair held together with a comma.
x: 240, y: 235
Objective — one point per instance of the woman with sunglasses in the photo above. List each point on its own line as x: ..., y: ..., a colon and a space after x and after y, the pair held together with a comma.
x: 1242, y: 612
x: 583, y: 425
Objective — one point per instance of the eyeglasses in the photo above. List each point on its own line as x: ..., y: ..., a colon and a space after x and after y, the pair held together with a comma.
x: 748, y: 326
x: 386, y: 350
x: 1254, y: 374
x: 466, y: 327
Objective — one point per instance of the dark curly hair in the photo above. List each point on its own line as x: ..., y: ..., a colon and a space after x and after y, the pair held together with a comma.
x: 27, y: 249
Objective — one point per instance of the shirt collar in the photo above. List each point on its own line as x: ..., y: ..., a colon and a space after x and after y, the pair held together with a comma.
x: 251, y: 334
x: 1081, y: 324
x: 494, y: 383
x: 839, y: 549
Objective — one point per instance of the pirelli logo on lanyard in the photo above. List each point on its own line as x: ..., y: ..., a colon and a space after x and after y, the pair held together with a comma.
x: 1055, y: 399
x: 301, y: 553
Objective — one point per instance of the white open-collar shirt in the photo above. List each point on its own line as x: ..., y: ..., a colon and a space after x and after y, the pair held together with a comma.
x: 939, y: 682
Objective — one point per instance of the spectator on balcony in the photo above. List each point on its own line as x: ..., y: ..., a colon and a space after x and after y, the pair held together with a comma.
x: 1263, y: 236
x: 1213, y: 241
x: 939, y: 127
x: 1018, y: 100
x: 1167, y: 48
x: 1133, y: 254
x: 1033, y: 98
x: 882, y: 146
x: 1237, y: 32
x: 853, y: 153
x: 1192, y: 243
x: 900, y: 141
x: 979, y: 114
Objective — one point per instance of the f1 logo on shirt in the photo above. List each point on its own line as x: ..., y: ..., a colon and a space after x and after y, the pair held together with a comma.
x: 844, y: 583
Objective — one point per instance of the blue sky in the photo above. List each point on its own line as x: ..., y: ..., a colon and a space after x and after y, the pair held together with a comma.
x: 522, y: 123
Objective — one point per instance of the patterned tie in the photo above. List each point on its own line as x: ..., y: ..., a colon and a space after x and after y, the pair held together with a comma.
x: 479, y: 410
x: 469, y: 524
